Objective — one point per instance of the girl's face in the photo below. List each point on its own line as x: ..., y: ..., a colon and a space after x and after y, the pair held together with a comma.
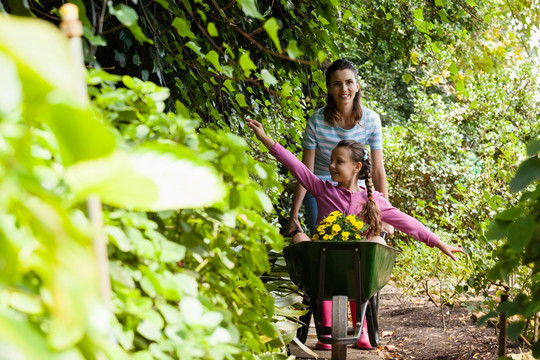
x: 343, y: 168
x: 343, y: 86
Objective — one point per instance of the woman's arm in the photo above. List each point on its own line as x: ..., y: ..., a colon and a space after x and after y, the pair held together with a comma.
x: 378, y: 173
x: 378, y: 176
x: 308, y: 158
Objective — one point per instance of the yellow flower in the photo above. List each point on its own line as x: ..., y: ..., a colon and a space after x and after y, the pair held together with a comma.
x: 358, y: 225
x: 330, y: 237
x: 345, y: 235
x: 335, y: 229
x: 358, y: 236
x: 330, y: 219
x: 335, y: 213
x: 316, y: 237
x: 326, y: 237
x: 351, y: 219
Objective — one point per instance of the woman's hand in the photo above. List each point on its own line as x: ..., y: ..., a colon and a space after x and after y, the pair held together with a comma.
x: 449, y: 249
x: 293, y: 225
x: 259, y: 133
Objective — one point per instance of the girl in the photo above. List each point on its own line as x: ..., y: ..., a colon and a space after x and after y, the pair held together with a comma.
x: 349, y: 162
x: 342, y: 118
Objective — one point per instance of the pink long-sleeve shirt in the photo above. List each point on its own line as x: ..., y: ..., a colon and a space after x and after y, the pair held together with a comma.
x: 331, y: 198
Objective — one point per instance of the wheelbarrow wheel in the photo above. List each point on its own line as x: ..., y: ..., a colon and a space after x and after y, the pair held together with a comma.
x: 372, y: 317
x: 339, y: 326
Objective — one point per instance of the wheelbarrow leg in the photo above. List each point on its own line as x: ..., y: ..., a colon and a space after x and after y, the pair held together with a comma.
x: 339, y: 326
x: 305, y: 319
x: 372, y: 317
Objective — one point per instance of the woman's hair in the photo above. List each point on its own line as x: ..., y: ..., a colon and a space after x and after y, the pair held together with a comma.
x: 331, y: 113
x: 371, y: 212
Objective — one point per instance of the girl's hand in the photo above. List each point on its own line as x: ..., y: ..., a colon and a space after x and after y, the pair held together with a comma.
x: 449, y: 249
x: 259, y: 133
x: 256, y: 127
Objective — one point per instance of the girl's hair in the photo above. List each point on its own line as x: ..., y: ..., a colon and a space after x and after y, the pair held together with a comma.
x: 371, y: 212
x: 331, y: 113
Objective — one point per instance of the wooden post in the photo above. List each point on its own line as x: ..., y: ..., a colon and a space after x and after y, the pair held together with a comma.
x: 536, y: 319
x: 502, y: 329
x: 71, y: 26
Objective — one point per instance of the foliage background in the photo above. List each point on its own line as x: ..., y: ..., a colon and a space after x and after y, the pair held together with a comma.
x: 455, y: 83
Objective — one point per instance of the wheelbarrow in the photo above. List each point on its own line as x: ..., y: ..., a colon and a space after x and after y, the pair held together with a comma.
x: 341, y: 271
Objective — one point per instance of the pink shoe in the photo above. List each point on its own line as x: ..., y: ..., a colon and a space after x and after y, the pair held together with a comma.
x: 326, y: 322
x: 363, y: 343
x: 322, y: 346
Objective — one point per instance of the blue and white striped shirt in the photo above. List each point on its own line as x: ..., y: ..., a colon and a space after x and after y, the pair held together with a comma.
x: 322, y: 137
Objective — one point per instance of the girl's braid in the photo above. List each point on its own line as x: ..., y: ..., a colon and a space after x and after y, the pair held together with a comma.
x: 371, y: 212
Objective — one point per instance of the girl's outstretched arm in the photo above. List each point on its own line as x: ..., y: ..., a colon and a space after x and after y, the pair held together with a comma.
x: 259, y: 133
x: 449, y: 249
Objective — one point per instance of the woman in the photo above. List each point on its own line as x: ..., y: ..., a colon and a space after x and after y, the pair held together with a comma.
x: 343, y: 118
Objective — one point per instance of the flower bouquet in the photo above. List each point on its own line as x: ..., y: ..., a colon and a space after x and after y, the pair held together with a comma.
x: 340, y: 227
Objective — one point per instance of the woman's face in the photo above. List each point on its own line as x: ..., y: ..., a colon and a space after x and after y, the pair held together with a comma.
x: 343, y: 86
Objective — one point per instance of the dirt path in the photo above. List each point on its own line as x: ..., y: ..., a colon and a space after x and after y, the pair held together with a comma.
x: 414, y: 330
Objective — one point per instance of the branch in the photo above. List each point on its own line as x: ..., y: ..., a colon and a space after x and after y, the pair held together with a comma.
x: 256, y: 43
x: 203, y: 31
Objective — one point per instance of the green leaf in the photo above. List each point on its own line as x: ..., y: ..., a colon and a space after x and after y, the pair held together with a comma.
x: 520, y: 232
x: 249, y: 7
x: 10, y: 86
x: 268, y: 78
x: 172, y: 252
x: 406, y: 78
x: 293, y: 51
x: 454, y: 69
x: 460, y: 86
x: 212, y: 30
x: 183, y: 27
x: 22, y: 340
x: 471, y: 3
x: 266, y: 328
x: 439, y: 2
x: 247, y: 64
x: 419, y: 14
x: 150, y: 178
x: 93, y: 39
x: 528, y: 171
x: 533, y: 147
x: 79, y: 134
x: 54, y: 70
x: 149, y: 330
x: 536, y: 349
x: 388, y: 16
x: 271, y: 26
x: 241, y: 100
x: 510, y: 214
x: 213, y: 57
x: 515, y: 329
x: 128, y: 17
x: 497, y: 229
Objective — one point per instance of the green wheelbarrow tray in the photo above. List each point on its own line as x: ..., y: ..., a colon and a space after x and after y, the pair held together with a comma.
x: 376, y: 262
x: 342, y: 271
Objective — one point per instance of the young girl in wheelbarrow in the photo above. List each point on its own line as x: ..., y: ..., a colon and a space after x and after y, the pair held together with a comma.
x: 349, y: 163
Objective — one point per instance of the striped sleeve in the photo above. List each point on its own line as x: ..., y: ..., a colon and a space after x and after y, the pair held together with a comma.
x: 373, y: 127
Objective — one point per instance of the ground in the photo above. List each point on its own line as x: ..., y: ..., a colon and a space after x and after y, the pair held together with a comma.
x: 413, y: 329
